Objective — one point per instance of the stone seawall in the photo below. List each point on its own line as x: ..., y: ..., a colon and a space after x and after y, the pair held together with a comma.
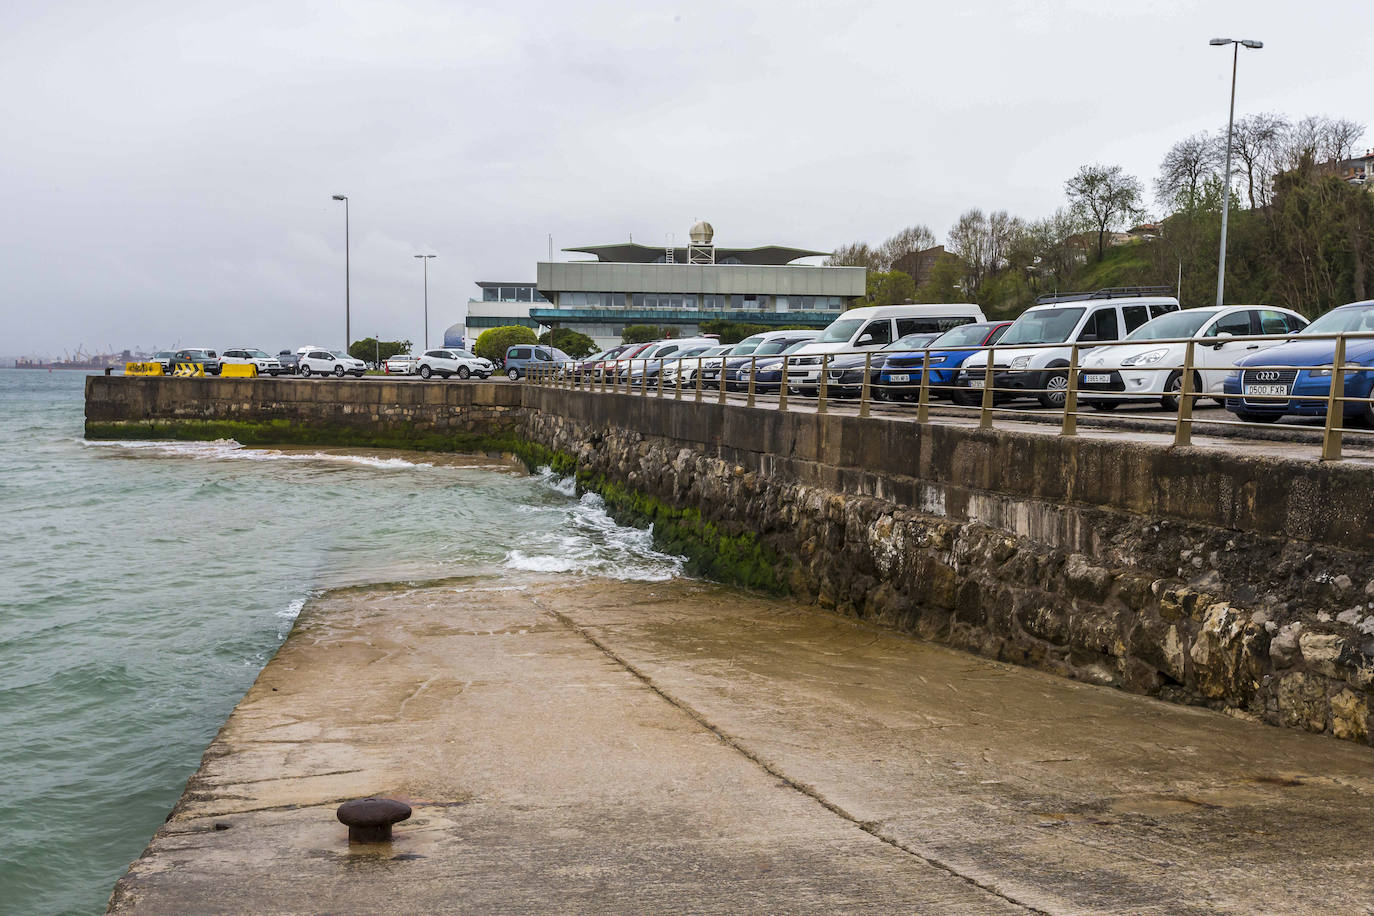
x: 1199, y: 576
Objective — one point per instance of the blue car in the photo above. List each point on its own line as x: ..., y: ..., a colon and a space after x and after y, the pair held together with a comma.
x: 901, y: 374
x: 1270, y: 379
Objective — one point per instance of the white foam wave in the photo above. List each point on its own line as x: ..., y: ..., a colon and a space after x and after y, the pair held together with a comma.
x: 582, y: 538
x: 565, y: 485
x: 231, y: 450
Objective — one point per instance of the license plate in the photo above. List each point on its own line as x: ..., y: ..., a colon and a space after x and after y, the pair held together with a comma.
x: 975, y: 383
x: 1267, y: 389
x: 1097, y: 378
x: 902, y: 377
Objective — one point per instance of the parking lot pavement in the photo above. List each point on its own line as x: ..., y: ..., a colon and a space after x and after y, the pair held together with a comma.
x: 615, y: 747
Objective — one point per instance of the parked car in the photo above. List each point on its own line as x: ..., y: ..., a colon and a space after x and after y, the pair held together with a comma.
x: 1146, y: 370
x: 400, y: 364
x: 1263, y: 383
x: 590, y: 368
x: 767, y: 344
x: 666, y: 364
x: 521, y: 358
x: 202, y: 356
x: 1042, y: 371
x: 875, y: 327
x: 314, y: 361
x: 265, y: 363
x: 768, y: 371
x: 652, y: 357
x: 449, y: 362
x: 845, y: 372
x: 289, y: 360
x: 900, y: 377
x: 164, y: 358
x: 687, y: 363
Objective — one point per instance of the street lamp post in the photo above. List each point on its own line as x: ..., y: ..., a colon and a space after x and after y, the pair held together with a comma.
x: 348, y: 330
x: 424, y: 259
x: 1226, y: 176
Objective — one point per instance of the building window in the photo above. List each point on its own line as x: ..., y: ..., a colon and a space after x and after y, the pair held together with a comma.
x: 490, y: 294
x: 522, y: 294
x: 508, y: 294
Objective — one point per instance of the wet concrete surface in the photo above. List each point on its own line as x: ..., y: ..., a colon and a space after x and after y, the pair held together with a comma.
x: 579, y: 746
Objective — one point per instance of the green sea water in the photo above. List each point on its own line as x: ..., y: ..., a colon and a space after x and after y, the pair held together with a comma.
x: 143, y: 585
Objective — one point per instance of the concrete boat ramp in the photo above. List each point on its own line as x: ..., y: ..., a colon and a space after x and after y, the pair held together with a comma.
x: 588, y: 746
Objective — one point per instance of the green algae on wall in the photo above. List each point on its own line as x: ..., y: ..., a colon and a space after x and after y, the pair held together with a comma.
x: 284, y: 432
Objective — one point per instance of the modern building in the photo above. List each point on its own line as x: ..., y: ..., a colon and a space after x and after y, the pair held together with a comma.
x: 678, y: 288
x: 501, y: 304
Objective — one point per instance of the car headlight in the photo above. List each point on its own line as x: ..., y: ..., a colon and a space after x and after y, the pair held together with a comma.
x: 1148, y: 358
x: 1020, y: 362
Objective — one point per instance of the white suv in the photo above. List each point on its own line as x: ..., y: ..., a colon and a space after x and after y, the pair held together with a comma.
x: 243, y: 356
x: 339, y: 364
x: 445, y: 363
x: 1042, y: 371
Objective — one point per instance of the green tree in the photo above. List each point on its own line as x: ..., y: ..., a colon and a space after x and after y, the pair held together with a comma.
x: 943, y: 283
x: 493, y: 342
x: 886, y: 288
x: 369, y: 349
x: 643, y: 333
x: 569, y: 341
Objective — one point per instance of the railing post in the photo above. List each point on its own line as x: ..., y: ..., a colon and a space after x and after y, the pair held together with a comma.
x: 721, y: 398
x: 923, y: 399
x: 660, y: 378
x: 820, y: 383
x: 644, y: 380
x: 677, y: 382
x: 782, y: 387
x: 1335, y: 405
x: 753, y: 370
x: 1070, y: 427
x: 1183, y: 426
x: 863, y: 386
x: 700, y: 365
x: 985, y: 412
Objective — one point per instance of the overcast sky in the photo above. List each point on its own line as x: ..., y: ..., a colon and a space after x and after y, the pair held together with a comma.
x: 166, y: 167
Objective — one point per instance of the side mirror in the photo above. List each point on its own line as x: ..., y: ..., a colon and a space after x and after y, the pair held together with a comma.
x: 1221, y: 340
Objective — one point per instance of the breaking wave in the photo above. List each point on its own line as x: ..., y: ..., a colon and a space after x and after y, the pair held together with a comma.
x: 231, y: 450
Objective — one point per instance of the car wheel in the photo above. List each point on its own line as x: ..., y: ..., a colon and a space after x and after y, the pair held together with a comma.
x: 1056, y: 390
x: 1246, y: 416
x: 513, y: 374
x: 965, y: 398
x: 425, y: 372
x: 463, y: 372
x: 305, y: 372
x: 1104, y: 406
x: 1174, y: 386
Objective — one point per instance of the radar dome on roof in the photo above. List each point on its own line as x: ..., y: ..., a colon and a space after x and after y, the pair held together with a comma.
x: 702, y: 233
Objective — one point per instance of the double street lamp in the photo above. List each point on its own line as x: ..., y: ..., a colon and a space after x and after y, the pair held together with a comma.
x: 424, y: 259
x: 1226, y: 183
x: 348, y: 331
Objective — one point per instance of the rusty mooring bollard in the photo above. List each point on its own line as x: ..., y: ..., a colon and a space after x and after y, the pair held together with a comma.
x: 369, y: 820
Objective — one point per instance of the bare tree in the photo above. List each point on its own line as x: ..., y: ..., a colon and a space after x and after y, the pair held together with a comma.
x: 859, y: 254
x: 1104, y: 195
x: 969, y: 239
x: 908, y: 241
x: 1320, y: 139
x: 1188, y: 164
x: 1257, y: 142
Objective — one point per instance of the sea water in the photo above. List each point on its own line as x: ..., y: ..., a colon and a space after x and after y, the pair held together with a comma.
x: 143, y: 585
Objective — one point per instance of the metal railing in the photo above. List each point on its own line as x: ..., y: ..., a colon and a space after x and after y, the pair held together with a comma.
x: 824, y: 381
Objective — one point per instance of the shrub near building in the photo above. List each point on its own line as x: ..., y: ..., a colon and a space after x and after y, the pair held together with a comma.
x: 493, y: 342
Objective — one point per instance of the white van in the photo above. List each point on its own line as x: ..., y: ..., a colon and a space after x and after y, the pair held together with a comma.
x: 1041, y: 370
x: 876, y: 326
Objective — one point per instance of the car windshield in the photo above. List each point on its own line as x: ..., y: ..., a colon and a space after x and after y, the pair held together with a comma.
x: 746, y: 346
x: 258, y: 354
x: 1173, y: 325
x: 911, y: 342
x: 1337, y: 321
x: 965, y: 335
x: 776, y: 345
x: 840, y: 331
x: 690, y: 351
x: 196, y: 352
x: 339, y: 353
x: 463, y: 354
x: 1043, y: 326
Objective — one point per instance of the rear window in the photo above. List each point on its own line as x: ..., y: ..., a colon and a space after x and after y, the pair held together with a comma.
x: 519, y: 353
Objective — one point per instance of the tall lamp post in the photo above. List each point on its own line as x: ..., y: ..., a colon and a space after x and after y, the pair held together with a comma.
x: 1226, y: 183
x: 348, y: 330
x: 424, y: 259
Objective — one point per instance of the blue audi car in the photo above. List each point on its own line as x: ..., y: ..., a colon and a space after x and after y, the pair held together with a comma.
x: 901, y: 374
x: 1295, y: 377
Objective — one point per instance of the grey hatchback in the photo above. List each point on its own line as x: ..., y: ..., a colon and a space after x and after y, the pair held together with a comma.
x: 520, y: 359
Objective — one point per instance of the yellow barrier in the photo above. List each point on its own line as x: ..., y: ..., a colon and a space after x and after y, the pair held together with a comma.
x: 143, y: 369
x: 238, y: 370
x: 186, y: 370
